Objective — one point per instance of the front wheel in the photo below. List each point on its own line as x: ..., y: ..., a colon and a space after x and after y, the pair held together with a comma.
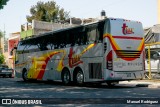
x: 66, y: 78
x: 24, y: 75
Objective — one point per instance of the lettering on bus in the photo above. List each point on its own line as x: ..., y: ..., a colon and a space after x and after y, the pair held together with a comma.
x: 74, y: 60
x: 126, y: 29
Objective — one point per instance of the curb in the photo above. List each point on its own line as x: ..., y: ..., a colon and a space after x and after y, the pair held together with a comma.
x: 147, y: 84
x: 153, y: 86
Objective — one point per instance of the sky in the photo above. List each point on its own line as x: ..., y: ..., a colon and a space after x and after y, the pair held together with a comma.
x: 14, y: 13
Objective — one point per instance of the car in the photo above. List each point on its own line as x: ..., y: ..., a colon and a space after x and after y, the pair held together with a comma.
x: 154, y: 61
x: 6, y: 72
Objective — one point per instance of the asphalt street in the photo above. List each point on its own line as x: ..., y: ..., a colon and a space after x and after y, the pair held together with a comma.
x: 95, y: 95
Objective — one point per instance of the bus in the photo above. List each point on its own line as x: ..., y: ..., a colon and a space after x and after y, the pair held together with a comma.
x: 108, y: 50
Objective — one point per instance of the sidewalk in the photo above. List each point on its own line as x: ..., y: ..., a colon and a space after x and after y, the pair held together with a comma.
x: 143, y: 83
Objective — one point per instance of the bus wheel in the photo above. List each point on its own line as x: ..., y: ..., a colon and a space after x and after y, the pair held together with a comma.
x: 66, y: 77
x: 10, y: 75
x: 79, y: 77
x: 24, y: 75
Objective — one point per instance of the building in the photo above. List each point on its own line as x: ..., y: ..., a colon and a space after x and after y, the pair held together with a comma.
x: 38, y: 27
x: 12, y: 42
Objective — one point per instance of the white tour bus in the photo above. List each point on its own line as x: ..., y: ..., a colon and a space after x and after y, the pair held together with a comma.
x: 109, y: 50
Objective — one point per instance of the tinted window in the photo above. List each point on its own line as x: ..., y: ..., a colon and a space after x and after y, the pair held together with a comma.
x: 95, y: 32
x: 76, y: 36
x: 151, y: 54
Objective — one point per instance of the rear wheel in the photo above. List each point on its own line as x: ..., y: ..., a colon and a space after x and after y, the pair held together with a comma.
x: 79, y: 77
x: 24, y: 75
x: 66, y: 77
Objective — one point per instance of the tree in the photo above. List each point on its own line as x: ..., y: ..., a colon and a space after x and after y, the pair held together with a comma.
x: 1, y: 34
x: 2, y: 59
x: 48, y: 11
x: 2, y: 3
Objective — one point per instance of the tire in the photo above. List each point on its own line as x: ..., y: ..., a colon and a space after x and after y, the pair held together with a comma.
x: 66, y: 77
x: 24, y: 75
x: 79, y: 77
x: 10, y: 76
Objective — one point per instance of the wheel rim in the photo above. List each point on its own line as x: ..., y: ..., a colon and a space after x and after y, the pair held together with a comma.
x: 80, y: 77
x: 66, y: 77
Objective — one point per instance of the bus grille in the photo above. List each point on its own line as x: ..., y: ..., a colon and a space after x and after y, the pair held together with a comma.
x: 128, y: 54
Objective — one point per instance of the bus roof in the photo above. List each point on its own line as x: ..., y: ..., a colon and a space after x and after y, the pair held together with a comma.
x: 60, y: 30
x: 65, y: 29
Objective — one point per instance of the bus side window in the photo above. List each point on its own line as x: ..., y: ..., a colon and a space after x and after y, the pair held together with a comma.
x: 95, y: 33
x: 20, y: 46
x: 49, y: 42
x: 91, y: 35
x: 73, y: 37
x: 67, y: 39
x: 101, y: 31
x: 84, y: 38
x: 31, y: 46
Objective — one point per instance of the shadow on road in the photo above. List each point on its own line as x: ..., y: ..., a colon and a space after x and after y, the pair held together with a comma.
x: 16, y: 88
x: 86, y: 85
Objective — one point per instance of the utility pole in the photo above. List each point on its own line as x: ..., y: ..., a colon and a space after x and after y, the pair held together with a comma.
x: 158, y: 11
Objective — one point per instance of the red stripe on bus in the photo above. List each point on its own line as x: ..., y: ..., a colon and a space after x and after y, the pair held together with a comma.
x: 43, y: 68
x: 127, y: 37
x: 122, y: 37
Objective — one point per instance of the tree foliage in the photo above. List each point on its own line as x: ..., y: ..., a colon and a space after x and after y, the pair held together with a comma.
x: 2, y: 3
x: 47, y: 11
x: 2, y: 59
x: 1, y: 34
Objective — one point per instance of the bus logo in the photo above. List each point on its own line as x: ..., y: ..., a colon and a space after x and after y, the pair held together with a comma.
x: 74, y: 60
x: 126, y: 29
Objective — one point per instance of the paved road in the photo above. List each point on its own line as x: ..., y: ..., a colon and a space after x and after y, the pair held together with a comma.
x: 15, y: 88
